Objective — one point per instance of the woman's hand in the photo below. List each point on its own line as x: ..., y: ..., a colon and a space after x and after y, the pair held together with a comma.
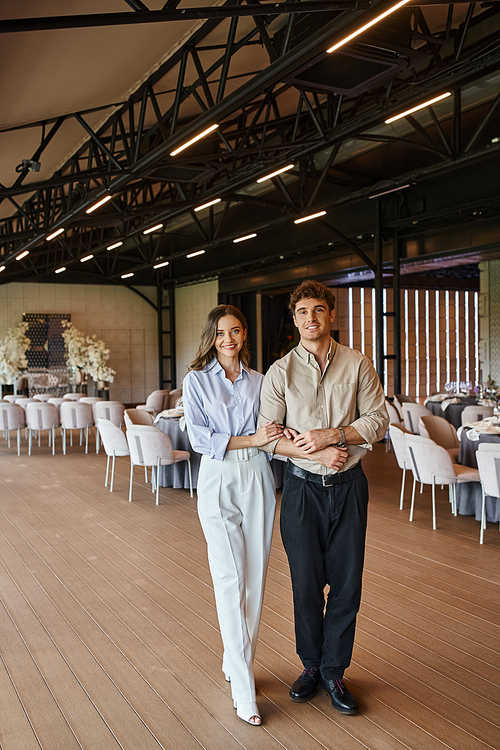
x: 290, y: 433
x: 266, y: 433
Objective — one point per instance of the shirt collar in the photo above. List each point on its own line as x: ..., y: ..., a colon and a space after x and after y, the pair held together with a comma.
x: 307, y: 356
x: 215, y: 367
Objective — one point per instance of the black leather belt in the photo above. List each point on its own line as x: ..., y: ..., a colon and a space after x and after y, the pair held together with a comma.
x: 330, y: 479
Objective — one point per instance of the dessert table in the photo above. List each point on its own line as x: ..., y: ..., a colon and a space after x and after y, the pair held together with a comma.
x: 469, y: 497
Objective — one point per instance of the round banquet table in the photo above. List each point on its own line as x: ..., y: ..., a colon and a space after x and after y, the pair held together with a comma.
x: 177, y: 476
x: 469, y: 496
x: 453, y: 412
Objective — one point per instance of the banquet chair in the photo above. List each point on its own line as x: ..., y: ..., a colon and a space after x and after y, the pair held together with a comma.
x: 476, y: 413
x: 442, y: 432
x: 397, y: 433
x: 42, y: 396
x: 173, y: 397
x: 110, y: 410
x: 137, y: 416
x: 156, y: 402
x: 400, y: 399
x: 411, y: 415
x: 56, y: 401
x: 24, y: 401
x: 92, y: 400
x: 41, y: 415
x: 11, y: 397
x: 394, y: 418
x: 488, y: 462
x: 76, y: 416
x: 149, y: 446
x: 73, y: 396
x: 12, y: 417
x: 432, y: 464
x: 115, y: 444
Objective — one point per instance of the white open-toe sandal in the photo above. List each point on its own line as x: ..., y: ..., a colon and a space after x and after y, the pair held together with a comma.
x: 248, y: 712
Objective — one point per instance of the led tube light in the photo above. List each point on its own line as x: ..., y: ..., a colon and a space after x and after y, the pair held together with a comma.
x: 210, y: 203
x: 419, y: 106
x: 23, y: 255
x: 275, y: 174
x: 160, y: 265
x: 368, y: 25
x: 152, y: 229
x: 54, y: 234
x: 98, y: 204
x: 126, y: 275
x: 311, y: 216
x: 112, y: 247
x: 192, y: 255
x: 87, y: 257
x: 193, y: 140
x: 60, y: 270
x: 246, y: 237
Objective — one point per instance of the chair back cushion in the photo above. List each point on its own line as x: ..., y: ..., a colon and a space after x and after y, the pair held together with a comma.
x: 429, y: 459
x: 476, y: 413
x: 110, y: 410
x: 113, y: 438
x: 440, y: 430
x: 411, y: 415
x: 42, y: 416
x: 75, y: 415
x: 488, y: 463
x: 137, y: 416
x: 147, y: 444
x: 12, y: 416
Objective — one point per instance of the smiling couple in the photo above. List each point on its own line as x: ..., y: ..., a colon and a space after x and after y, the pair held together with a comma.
x: 321, y: 406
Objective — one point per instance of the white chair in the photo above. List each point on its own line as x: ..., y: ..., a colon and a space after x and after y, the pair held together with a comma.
x: 442, y: 432
x: 137, y: 416
x: 42, y: 396
x: 397, y: 433
x: 156, y: 402
x: 12, y: 417
x: 92, y: 400
x: 488, y: 462
x: 400, y: 399
x: 476, y: 413
x: 394, y: 418
x: 42, y: 416
x: 111, y: 410
x: 76, y: 416
x: 432, y: 464
x: 115, y: 444
x: 73, y: 396
x: 56, y: 401
x: 411, y: 415
x: 11, y: 397
x: 149, y: 446
x: 173, y: 397
x: 24, y: 401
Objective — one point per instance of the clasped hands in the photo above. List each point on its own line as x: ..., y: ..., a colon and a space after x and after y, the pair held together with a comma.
x: 319, y: 443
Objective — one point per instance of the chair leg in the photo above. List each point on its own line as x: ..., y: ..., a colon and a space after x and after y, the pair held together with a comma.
x: 433, y: 502
x: 30, y: 441
x: 87, y: 439
x: 157, y: 481
x: 97, y: 442
x: 18, y: 441
x: 402, y: 489
x: 112, y: 473
x: 131, y: 478
x: 483, y: 515
x: 53, y: 430
x: 107, y: 473
x: 64, y: 439
x: 146, y: 473
x: 413, y: 498
x: 8, y: 438
x: 190, y: 478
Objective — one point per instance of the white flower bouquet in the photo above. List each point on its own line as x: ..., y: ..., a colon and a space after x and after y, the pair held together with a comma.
x: 13, y: 353
x: 88, y: 354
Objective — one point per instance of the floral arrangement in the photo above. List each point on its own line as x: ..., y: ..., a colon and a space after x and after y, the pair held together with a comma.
x: 13, y: 353
x: 87, y: 353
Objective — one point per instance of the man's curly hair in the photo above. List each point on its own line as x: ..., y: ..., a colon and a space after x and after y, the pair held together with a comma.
x: 311, y: 290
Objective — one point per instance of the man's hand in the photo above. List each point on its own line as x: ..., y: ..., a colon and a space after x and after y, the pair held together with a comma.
x: 314, y: 440
x: 331, y: 457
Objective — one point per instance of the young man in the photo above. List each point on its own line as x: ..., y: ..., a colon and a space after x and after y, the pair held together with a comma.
x: 330, y: 399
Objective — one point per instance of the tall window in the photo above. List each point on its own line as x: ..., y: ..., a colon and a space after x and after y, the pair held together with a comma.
x: 439, y: 335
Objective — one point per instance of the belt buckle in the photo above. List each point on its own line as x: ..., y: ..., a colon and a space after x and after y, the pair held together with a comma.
x: 326, y: 476
x: 243, y: 454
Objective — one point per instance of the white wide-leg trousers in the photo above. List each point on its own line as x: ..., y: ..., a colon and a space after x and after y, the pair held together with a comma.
x: 236, y: 506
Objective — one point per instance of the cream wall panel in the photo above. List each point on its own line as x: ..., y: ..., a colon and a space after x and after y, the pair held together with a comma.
x: 118, y: 316
x: 192, y: 304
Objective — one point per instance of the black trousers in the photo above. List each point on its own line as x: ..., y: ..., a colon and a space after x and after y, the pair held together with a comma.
x: 323, y: 531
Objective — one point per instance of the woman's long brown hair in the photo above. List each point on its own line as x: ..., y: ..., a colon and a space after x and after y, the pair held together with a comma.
x: 206, y: 350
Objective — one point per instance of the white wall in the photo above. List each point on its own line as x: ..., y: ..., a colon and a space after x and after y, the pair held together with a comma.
x: 192, y: 305
x: 118, y: 316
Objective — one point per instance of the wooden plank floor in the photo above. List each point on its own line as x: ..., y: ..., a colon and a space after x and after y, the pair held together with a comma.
x: 109, y: 634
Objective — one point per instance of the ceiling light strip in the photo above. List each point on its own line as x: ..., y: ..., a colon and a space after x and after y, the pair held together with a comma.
x: 308, y: 218
x: 98, y: 204
x: 23, y: 255
x: 368, y: 25
x: 193, y: 140
x: 2, y: 268
x: 246, y: 237
x: 386, y: 192
x: 192, y: 255
x: 54, y: 234
x: 112, y: 247
x: 160, y: 265
x: 60, y: 270
x: 207, y: 205
x: 419, y: 106
x: 275, y: 174
x: 153, y: 229
x: 86, y: 258
x: 126, y: 275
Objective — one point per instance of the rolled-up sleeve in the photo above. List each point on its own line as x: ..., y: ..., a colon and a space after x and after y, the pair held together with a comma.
x: 202, y: 437
x: 373, y: 419
x: 272, y: 403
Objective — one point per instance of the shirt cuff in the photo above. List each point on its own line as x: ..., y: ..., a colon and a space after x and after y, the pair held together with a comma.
x: 218, y: 445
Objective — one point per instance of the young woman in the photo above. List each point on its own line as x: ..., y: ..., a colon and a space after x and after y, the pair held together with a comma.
x: 236, y: 493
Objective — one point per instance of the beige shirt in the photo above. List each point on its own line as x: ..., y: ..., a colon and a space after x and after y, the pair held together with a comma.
x: 296, y: 394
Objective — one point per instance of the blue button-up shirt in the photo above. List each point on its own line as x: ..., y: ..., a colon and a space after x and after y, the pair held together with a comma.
x: 215, y: 409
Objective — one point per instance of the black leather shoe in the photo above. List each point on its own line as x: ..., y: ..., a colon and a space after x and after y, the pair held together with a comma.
x: 342, y: 698
x: 305, y: 687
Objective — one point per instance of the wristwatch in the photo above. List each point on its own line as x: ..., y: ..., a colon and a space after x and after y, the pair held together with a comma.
x: 342, y: 443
